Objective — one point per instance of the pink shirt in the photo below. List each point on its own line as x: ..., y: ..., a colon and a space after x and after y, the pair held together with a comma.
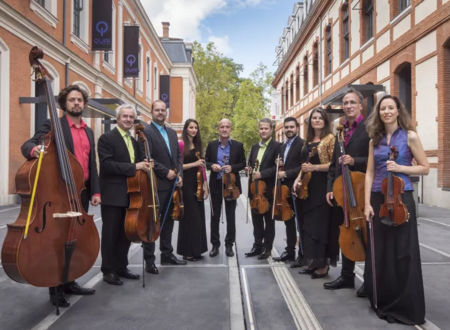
x: 81, y: 145
x: 348, y: 131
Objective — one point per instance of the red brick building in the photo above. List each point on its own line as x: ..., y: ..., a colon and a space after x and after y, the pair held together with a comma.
x: 401, y: 45
x: 62, y: 28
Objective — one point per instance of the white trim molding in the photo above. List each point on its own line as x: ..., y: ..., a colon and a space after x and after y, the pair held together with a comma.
x: 48, y: 14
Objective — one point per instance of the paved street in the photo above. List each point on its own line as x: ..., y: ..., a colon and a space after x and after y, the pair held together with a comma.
x: 226, y: 293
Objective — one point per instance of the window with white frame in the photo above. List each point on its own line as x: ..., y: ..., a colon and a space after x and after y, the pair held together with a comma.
x: 141, y: 67
x: 148, y: 76
x: 46, y: 9
x: 155, y: 82
x: 80, y: 23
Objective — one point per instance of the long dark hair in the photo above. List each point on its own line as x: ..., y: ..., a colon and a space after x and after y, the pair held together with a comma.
x: 375, y: 127
x: 326, y: 125
x: 197, y: 140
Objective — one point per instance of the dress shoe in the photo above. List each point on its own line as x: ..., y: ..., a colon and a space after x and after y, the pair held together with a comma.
x: 266, y: 254
x: 151, y: 268
x: 285, y: 257
x: 361, y: 293
x: 340, y: 283
x: 299, y: 262
x: 189, y: 258
x: 229, y: 251
x: 112, y: 278
x: 172, y: 260
x: 59, y: 300
x: 254, y: 252
x: 75, y: 288
x: 306, y: 271
x: 214, y: 251
x: 315, y: 275
x: 125, y: 273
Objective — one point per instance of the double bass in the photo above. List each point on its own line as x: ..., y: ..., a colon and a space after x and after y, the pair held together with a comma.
x: 62, y: 242
x: 142, y: 220
x: 348, y: 190
x: 281, y: 208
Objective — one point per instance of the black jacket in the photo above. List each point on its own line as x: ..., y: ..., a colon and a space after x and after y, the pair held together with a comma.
x: 115, y: 167
x: 293, y: 161
x: 164, y: 160
x: 94, y: 187
x: 237, y: 162
x: 267, y: 166
x: 357, y: 147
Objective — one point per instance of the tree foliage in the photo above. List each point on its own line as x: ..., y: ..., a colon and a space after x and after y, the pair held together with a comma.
x: 221, y: 93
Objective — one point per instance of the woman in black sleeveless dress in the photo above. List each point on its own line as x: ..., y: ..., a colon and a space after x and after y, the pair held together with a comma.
x: 192, y: 230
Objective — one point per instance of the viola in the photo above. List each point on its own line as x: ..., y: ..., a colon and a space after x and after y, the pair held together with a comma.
x: 281, y: 208
x: 62, y: 243
x: 200, y: 192
x: 259, y: 202
x: 393, y: 212
x: 178, y: 205
x: 230, y: 189
x: 348, y: 190
x: 142, y: 220
x: 302, y: 190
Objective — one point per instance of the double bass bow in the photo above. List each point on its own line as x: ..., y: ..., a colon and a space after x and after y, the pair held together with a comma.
x: 393, y: 212
x: 62, y: 243
x: 142, y: 220
x: 348, y: 190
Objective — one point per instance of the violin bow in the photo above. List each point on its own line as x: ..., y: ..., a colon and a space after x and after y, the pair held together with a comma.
x: 374, y: 272
x: 168, y: 204
x: 275, y: 187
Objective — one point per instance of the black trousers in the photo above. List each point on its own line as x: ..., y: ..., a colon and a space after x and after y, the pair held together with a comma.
x: 165, y: 237
x: 264, y: 235
x: 230, y: 211
x: 291, y: 231
x: 115, y: 244
x: 348, y: 268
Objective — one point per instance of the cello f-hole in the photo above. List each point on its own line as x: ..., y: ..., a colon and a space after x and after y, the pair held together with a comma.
x: 44, y: 218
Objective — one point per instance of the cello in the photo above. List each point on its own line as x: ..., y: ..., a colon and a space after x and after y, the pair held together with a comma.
x: 142, y: 219
x: 348, y: 190
x: 281, y: 208
x: 62, y: 243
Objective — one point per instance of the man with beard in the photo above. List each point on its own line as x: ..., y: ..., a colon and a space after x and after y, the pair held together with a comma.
x: 290, y: 153
x: 79, y: 141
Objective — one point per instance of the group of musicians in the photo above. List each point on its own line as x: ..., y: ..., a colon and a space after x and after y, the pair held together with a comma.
x: 393, y: 278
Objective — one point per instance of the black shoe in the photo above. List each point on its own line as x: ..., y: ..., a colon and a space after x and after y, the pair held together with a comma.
x: 189, y: 258
x: 266, y: 254
x: 285, y: 256
x: 229, y: 251
x: 172, y: 260
x: 361, y: 293
x: 112, y: 278
x: 299, y: 262
x: 307, y: 271
x: 151, y: 268
x: 57, y: 298
x: 214, y: 251
x: 125, y: 273
x: 254, y: 252
x: 74, y: 288
x: 340, y: 283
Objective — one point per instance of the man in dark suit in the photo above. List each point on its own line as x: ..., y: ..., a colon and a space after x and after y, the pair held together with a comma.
x: 120, y: 157
x: 264, y: 152
x: 79, y: 141
x: 163, y: 142
x: 356, y: 143
x: 290, y: 153
x: 223, y: 156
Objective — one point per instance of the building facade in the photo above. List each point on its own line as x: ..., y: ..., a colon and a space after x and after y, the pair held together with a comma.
x: 62, y: 28
x: 401, y: 45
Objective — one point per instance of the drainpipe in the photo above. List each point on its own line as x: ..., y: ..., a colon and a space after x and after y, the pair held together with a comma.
x: 320, y: 60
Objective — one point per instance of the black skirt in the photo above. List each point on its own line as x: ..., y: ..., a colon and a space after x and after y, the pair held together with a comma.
x: 399, y: 283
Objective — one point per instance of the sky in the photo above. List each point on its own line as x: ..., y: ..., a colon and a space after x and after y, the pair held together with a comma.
x: 245, y: 30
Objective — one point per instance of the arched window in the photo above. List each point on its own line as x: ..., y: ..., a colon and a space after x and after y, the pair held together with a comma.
x: 305, y: 75
x: 328, y: 50
x: 297, y: 83
x: 291, y: 90
x: 345, y: 32
x: 315, y: 64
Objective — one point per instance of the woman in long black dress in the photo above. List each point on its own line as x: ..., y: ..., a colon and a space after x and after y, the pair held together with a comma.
x: 399, y: 286
x: 315, y: 212
x: 192, y: 230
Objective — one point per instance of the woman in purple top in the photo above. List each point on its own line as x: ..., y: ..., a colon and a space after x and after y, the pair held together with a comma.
x: 399, y: 285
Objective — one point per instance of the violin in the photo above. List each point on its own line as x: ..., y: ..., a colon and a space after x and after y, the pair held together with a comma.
x: 142, y: 220
x: 281, y: 208
x: 348, y: 190
x: 200, y: 192
x: 178, y: 205
x: 302, y: 190
x: 259, y: 202
x: 62, y: 243
x: 230, y: 190
x: 393, y: 212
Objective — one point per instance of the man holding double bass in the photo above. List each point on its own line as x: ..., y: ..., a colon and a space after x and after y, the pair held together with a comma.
x: 79, y: 140
x: 356, y: 143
